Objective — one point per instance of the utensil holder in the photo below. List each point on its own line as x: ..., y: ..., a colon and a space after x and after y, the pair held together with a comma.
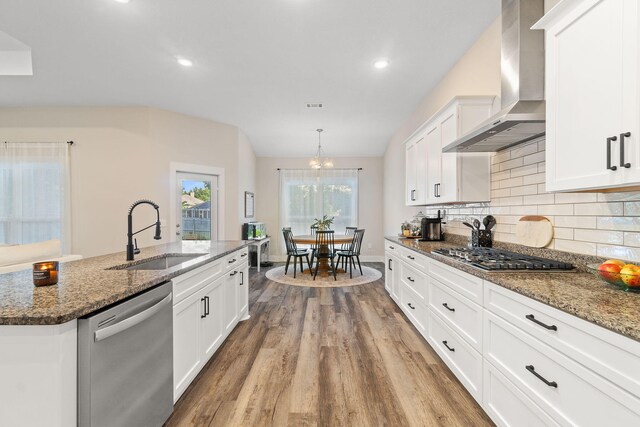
x: 481, y: 239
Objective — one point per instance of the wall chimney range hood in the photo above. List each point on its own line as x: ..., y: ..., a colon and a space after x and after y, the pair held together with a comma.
x: 522, y: 117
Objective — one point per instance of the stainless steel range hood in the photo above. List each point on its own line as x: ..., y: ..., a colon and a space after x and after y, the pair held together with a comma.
x: 522, y: 117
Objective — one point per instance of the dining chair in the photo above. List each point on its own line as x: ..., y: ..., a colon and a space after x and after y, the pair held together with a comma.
x: 325, y: 248
x: 293, y: 251
x: 352, y: 252
x: 312, y: 247
x: 349, y: 231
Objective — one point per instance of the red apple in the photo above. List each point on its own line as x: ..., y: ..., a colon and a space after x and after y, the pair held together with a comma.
x: 610, y: 272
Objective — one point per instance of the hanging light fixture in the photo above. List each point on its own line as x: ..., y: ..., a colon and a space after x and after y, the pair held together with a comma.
x: 319, y: 161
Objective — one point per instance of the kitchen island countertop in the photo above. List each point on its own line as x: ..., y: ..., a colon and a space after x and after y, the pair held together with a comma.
x: 87, y: 285
x: 578, y: 293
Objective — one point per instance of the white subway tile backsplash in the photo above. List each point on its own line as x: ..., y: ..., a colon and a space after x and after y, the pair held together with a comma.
x: 629, y: 223
x: 606, y: 224
x: 540, y: 199
x: 604, y: 209
x: 599, y: 236
x: 533, y: 158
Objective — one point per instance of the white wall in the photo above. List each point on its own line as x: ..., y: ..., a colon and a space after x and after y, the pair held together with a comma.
x: 369, y: 208
x: 121, y: 155
x: 246, y: 170
x: 476, y: 73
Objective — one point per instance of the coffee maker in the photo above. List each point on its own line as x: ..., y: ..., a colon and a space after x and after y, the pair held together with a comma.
x: 431, y: 229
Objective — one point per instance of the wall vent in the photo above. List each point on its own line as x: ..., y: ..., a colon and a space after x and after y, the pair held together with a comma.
x: 314, y: 105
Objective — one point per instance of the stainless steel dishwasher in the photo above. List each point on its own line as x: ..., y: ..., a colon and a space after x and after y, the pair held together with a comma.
x: 125, y: 362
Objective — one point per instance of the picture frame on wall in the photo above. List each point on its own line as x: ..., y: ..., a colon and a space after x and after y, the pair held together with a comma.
x: 249, y: 205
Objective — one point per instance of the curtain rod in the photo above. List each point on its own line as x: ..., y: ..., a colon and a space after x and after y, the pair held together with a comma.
x: 332, y: 169
x: 36, y: 142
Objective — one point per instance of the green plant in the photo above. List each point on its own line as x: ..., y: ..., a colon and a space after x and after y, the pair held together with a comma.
x: 324, y: 223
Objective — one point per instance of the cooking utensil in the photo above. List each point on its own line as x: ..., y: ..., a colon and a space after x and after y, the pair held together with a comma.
x: 491, y: 222
x: 534, y: 230
x: 476, y: 224
x: 468, y: 225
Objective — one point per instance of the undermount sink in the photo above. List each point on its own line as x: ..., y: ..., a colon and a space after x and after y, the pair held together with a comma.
x: 164, y: 262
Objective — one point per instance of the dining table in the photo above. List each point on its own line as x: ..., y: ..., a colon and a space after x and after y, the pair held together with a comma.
x: 324, y: 269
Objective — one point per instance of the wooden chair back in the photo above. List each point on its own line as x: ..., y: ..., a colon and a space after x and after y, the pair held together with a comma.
x: 325, y: 243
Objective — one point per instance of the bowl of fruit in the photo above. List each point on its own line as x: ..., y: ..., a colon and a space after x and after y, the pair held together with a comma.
x: 618, y: 273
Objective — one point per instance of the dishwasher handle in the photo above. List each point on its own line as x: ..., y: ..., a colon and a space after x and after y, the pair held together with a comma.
x: 130, y: 322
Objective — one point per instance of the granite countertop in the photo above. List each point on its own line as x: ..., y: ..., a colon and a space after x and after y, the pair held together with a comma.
x: 578, y: 293
x: 87, y: 285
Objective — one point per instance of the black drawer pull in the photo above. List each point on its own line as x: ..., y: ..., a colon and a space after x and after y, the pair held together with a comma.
x: 391, y: 247
x: 241, y: 278
x: 390, y: 269
x: 410, y: 306
x: 445, y: 305
x: 410, y: 257
x: 410, y: 279
x: 531, y: 369
x: 232, y: 261
x: 622, y: 137
x: 204, y: 308
x: 611, y: 138
x: 537, y: 322
x: 233, y: 274
x: 448, y: 348
x: 244, y: 254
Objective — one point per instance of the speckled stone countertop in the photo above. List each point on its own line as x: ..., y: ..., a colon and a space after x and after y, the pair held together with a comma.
x: 86, y: 285
x: 578, y: 293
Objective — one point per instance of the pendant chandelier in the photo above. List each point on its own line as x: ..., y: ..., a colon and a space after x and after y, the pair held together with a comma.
x: 319, y: 161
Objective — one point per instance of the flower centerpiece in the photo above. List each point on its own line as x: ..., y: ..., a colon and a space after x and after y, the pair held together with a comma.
x: 323, y: 224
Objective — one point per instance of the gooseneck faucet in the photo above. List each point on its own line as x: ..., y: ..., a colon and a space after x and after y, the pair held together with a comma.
x: 130, y: 249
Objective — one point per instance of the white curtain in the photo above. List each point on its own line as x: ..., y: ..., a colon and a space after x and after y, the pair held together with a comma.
x: 34, y: 193
x: 306, y: 194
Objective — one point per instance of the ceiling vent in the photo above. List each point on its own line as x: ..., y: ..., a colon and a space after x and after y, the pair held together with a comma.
x: 314, y: 105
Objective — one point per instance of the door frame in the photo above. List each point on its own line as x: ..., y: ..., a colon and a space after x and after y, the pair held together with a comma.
x: 174, y: 168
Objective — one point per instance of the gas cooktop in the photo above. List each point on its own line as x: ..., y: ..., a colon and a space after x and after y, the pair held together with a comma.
x: 489, y: 259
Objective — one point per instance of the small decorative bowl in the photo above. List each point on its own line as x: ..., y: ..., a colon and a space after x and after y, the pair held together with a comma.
x: 626, y: 282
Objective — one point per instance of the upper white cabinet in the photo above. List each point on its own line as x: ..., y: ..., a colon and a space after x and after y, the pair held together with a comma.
x: 434, y: 177
x: 593, y: 113
x: 416, y: 172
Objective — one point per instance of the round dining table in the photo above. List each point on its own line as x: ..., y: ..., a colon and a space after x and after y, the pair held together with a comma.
x: 324, y: 269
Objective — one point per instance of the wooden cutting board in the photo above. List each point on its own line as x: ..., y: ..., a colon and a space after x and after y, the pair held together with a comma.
x: 534, y: 231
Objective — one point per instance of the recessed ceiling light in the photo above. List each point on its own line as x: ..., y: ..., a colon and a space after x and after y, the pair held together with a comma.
x: 381, y: 63
x: 185, y: 62
x: 122, y: 1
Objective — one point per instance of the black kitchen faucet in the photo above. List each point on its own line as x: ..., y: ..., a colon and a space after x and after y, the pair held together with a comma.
x: 130, y: 248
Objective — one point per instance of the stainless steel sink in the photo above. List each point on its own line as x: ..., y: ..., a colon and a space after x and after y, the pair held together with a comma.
x: 162, y: 263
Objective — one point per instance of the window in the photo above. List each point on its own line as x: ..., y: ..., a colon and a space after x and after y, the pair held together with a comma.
x: 309, y: 194
x: 34, y: 193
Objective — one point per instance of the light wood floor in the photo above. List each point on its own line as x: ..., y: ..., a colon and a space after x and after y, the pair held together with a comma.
x: 327, y: 357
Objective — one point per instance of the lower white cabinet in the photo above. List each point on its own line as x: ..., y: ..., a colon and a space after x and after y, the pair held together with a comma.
x: 211, y: 304
x: 413, y: 306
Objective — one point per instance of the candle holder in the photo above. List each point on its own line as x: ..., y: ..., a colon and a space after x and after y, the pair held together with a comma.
x: 45, y: 273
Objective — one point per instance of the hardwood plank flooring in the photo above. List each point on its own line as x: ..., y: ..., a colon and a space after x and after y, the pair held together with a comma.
x: 325, y: 357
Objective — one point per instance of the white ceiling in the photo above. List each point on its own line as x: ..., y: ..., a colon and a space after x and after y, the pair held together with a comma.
x: 256, y: 62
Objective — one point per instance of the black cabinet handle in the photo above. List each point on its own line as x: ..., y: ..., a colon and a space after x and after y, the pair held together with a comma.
x: 537, y: 322
x: 531, y: 369
x: 622, y: 137
x: 448, y: 348
x: 232, y: 261
x: 410, y: 279
x: 243, y: 255
x: 233, y: 274
x: 611, y: 138
x: 445, y: 305
x: 390, y: 269
x: 391, y: 247
x: 204, y: 308
x: 410, y: 257
x: 241, y: 278
x: 413, y: 197
x: 436, y: 189
x: 410, y: 306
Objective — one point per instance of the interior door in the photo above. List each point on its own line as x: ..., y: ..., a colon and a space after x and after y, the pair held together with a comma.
x: 197, y: 206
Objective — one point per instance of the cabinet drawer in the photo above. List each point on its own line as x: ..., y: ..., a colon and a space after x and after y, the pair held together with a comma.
x: 414, y: 259
x: 460, y: 357
x: 393, y: 248
x: 233, y: 260
x: 460, y: 314
x: 413, y: 307
x: 507, y: 405
x: 415, y: 280
x: 567, y: 391
x: 465, y: 284
x: 190, y: 282
x: 607, y: 353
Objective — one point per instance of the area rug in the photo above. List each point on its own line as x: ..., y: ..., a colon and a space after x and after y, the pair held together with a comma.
x: 305, y: 279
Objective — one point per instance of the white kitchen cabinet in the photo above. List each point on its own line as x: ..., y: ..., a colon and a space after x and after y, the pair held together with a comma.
x: 592, y: 94
x: 392, y: 274
x: 416, y: 172
x: 210, y: 302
